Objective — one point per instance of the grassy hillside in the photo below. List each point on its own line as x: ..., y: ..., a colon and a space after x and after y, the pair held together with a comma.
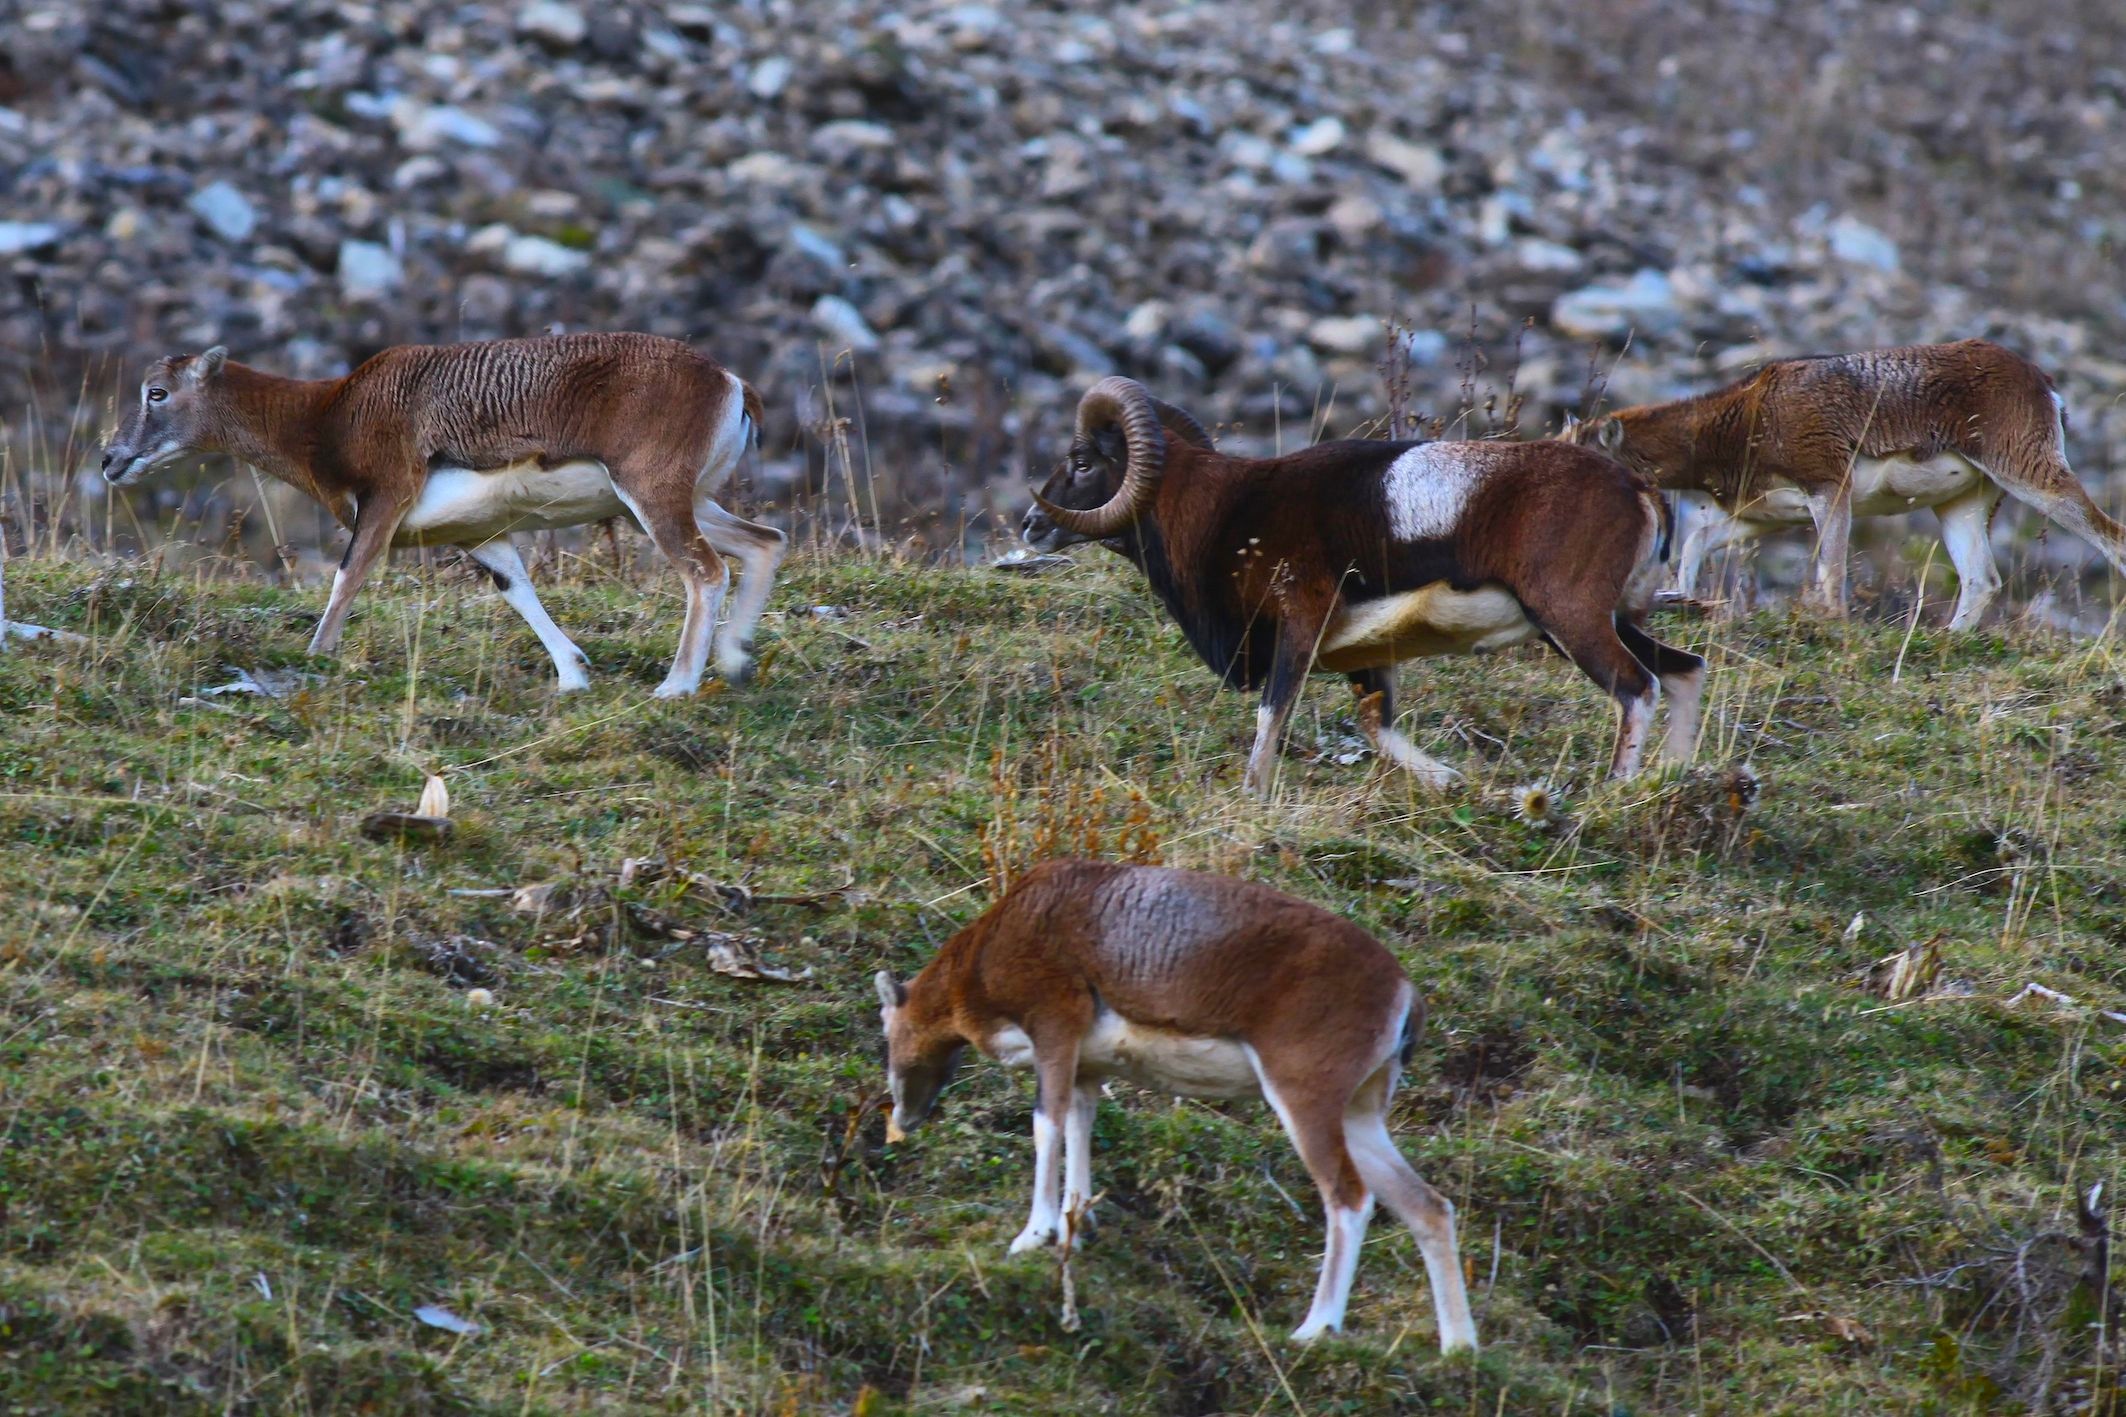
x: 254, y: 1118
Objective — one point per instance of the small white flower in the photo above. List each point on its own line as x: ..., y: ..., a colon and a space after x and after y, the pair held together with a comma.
x: 1536, y: 803
x: 480, y: 998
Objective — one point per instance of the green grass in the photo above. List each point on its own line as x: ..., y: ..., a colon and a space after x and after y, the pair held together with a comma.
x: 250, y: 1124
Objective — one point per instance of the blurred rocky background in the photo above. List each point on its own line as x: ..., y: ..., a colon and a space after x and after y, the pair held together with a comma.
x: 921, y: 227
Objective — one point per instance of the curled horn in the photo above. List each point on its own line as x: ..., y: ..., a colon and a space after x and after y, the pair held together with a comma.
x: 1124, y: 401
x: 1182, y: 423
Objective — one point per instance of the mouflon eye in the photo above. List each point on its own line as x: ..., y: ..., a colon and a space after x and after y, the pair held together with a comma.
x: 157, y: 395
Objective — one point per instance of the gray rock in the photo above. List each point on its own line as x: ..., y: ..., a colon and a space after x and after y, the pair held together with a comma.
x: 424, y: 126
x: 1533, y: 253
x: 1858, y: 244
x: 552, y: 23
x: 838, y: 142
x: 843, y: 325
x: 19, y: 237
x: 1645, y: 303
x: 1319, y: 138
x: 226, y: 211
x: 538, y: 256
x: 770, y: 77
x: 368, y: 271
x: 1346, y: 334
x: 1418, y: 164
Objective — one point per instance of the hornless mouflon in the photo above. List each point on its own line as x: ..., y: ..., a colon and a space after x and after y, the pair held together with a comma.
x: 1197, y: 986
x: 464, y: 444
x: 1827, y: 438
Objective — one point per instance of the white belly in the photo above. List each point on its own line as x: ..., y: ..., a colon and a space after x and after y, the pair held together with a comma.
x: 1882, y: 487
x: 459, y: 505
x: 1178, y: 1064
x: 1433, y: 619
x: 1175, y: 1063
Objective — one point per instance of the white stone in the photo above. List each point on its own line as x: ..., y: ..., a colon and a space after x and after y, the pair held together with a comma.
x: 765, y: 169
x: 17, y: 237
x: 1419, y: 165
x: 1533, y: 253
x: 423, y: 126
x: 553, y: 23
x: 1323, y: 135
x: 843, y: 324
x: 226, y: 211
x: 1646, y: 303
x: 844, y: 137
x: 1858, y: 244
x: 537, y: 256
x: 770, y: 77
x: 368, y: 270
x: 1345, y: 334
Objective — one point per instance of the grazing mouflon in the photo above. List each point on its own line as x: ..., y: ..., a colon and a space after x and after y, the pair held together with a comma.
x: 1824, y: 439
x: 464, y: 444
x: 1196, y: 986
x: 1351, y: 556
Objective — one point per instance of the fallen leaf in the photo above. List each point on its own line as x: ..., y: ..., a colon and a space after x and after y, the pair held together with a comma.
x: 739, y: 957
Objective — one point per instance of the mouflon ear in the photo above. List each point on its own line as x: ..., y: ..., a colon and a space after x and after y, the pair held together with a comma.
x: 1612, y: 435
x: 205, y: 366
x: 890, y: 992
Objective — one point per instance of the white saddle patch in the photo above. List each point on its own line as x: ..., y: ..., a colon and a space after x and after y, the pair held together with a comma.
x: 1433, y: 619
x: 1426, y: 490
x: 459, y: 505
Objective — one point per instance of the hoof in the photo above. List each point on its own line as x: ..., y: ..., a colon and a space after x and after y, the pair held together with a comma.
x: 675, y: 689
x: 1311, y: 1330
x: 1032, y: 1239
x: 737, y: 674
x: 572, y: 684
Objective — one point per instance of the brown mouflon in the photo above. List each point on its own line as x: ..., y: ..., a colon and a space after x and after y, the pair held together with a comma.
x: 463, y: 444
x: 1196, y: 986
x: 1351, y: 556
x: 1827, y: 438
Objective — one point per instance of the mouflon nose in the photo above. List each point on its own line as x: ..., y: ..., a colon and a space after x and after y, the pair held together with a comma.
x: 106, y: 462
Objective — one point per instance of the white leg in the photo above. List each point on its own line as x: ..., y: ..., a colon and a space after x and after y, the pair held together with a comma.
x: 1429, y: 1215
x: 759, y: 550
x: 1832, y: 512
x: 704, y: 599
x: 1045, y: 1221
x: 1376, y: 707
x: 500, y: 560
x: 1686, y: 702
x: 1965, y: 527
x: 1715, y: 531
x: 1078, y: 1149
x: 1339, y: 1264
x: 1406, y: 755
x: 1632, y: 734
x: 1698, y: 519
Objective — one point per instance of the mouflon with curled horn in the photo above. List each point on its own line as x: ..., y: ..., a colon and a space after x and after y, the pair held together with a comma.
x: 1192, y: 985
x: 464, y: 444
x: 1350, y: 556
x: 1821, y: 440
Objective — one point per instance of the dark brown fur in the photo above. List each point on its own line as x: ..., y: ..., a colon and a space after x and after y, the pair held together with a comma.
x: 1260, y: 560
